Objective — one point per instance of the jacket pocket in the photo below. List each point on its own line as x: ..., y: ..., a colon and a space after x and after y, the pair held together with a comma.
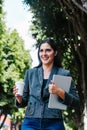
x: 30, y: 109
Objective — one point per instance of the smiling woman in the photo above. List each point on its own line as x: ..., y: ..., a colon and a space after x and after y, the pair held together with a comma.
x: 38, y: 87
x: 51, y: 48
x: 46, y: 54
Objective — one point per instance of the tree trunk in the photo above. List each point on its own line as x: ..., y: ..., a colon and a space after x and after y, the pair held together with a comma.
x: 85, y: 116
x: 83, y: 124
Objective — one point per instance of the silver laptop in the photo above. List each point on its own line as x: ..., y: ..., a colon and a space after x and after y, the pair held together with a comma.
x: 64, y: 82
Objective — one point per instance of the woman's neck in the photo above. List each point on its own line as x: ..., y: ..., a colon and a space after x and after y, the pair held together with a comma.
x: 47, y: 67
x: 47, y: 70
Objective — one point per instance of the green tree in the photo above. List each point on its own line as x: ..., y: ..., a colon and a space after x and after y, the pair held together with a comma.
x: 14, y: 60
x: 76, y: 11
x: 65, y: 21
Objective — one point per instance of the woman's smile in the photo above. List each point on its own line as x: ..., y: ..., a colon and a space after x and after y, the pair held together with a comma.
x: 46, y: 54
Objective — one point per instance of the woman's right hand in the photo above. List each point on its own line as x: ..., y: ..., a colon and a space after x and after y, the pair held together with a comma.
x: 18, y: 97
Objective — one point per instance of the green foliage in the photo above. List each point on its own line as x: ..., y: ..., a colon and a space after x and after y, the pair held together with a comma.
x: 49, y: 20
x: 14, y: 60
x: 70, y: 120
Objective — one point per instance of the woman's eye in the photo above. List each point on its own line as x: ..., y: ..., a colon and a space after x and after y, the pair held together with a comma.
x: 41, y: 50
x: 48, y: 50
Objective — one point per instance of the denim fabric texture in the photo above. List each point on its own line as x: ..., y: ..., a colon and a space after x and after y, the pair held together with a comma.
x: 42, y: 124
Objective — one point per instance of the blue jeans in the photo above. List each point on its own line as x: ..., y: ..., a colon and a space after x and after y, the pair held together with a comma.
x: 42, y: 124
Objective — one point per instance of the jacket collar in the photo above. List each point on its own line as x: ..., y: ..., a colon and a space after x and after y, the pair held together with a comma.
x: 40, y: 75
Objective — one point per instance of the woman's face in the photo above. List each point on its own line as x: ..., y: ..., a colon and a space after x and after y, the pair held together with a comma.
x: 46, y: 54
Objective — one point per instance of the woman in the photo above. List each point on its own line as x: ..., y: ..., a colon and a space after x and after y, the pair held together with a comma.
x: 39, y: 85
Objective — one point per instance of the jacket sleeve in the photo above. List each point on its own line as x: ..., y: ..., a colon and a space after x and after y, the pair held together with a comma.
x: 25, y: 92
x: 72, y: 98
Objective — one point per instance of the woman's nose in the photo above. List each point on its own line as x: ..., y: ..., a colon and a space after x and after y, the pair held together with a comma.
x: 44, y: 52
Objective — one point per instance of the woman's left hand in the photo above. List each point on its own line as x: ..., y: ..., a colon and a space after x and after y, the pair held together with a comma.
x: 55, y: 89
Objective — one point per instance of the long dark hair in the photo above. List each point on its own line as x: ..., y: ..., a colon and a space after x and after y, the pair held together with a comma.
x: 57, y: 60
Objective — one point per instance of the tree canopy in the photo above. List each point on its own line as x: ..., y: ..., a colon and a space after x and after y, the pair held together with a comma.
x: 14, y: 60
x: 65, y: 21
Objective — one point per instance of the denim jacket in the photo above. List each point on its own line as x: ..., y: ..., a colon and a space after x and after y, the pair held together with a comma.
x: 32, y: 98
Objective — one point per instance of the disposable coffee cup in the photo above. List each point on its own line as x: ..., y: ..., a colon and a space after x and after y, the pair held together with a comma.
x: 20, y: 87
